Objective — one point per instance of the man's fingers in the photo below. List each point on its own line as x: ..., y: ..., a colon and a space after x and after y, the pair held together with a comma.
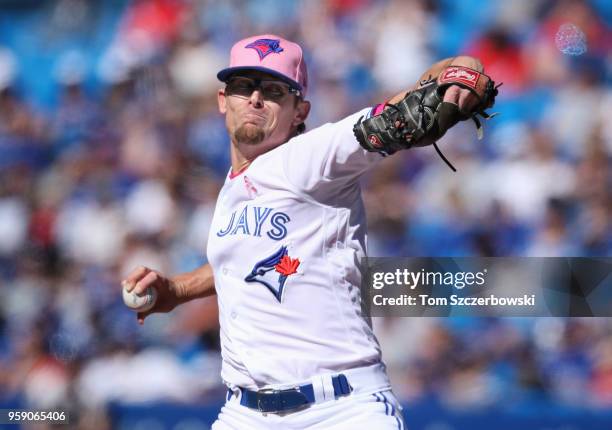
x: 467, y: 100
x: 144, y: 283
x: 137, y: 282
x: 462, y: 97
x: 140, y: 317
x: 130, y: 281
x: 451, y: 95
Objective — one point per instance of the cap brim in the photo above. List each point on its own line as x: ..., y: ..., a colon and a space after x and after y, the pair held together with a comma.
x: 224, y: 74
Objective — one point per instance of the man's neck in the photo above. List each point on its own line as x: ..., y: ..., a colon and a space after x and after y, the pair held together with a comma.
x: 239, y: 162
x: 243, y: 155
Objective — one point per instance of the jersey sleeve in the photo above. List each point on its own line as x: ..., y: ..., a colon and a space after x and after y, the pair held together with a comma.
x: 327, y: 156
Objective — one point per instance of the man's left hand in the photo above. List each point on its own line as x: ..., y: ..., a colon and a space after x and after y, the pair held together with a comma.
x: 462, y: 97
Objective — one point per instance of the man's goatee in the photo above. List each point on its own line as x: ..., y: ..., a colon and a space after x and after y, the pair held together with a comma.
x: 249, y: 134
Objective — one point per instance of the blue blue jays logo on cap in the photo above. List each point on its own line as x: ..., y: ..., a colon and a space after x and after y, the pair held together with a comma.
x: 273, y: 271
x: 265, y: 47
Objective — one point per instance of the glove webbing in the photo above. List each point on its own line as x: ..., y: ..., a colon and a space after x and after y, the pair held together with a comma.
x: 435, y: 145
x: 492, y: 93
x: 421, y: 130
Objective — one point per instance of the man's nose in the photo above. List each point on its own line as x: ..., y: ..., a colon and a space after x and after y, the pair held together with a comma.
x: 256, y: 98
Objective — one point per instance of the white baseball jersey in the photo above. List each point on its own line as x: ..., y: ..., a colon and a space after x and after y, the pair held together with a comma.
x: 285, y: 246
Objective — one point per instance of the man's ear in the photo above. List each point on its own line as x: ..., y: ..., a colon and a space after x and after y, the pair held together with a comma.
x: 221, y: 100
x: 302, y: 111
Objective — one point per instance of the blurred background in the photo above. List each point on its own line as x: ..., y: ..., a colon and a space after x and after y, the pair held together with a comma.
x: 112, y: 153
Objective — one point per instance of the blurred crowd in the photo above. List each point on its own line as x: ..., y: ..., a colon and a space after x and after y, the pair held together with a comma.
x: 112, y: 152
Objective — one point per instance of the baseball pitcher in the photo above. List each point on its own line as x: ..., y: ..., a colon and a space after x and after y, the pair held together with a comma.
x: 288, y: 235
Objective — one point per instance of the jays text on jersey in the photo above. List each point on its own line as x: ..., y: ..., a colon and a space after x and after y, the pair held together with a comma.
x: 285, y: 245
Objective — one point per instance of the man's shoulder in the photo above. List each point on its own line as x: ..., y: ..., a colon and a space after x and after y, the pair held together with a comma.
x: 318, y: 132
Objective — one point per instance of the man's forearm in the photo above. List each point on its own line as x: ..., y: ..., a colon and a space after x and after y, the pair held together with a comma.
x: 435, y: 70
x: 195, y: 284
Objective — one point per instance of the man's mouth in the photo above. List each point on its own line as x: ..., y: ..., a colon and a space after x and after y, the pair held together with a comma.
x: 250, y: 117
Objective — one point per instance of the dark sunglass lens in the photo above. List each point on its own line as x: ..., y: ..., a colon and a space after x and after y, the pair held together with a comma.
x: 241, y: 86
x: 273, y: 90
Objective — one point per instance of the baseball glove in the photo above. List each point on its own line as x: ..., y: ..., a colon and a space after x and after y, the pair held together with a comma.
x: 422, y: 117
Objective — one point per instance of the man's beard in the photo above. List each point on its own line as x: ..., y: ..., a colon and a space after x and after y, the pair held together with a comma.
x: 249, y: 134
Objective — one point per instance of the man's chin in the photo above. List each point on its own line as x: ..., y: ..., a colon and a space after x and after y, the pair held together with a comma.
x: 249, y: 134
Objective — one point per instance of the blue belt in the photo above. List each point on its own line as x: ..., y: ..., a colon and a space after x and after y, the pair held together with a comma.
x: 273, y: 401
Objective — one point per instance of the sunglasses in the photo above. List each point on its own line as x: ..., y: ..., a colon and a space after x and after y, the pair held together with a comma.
x: 270, y: 89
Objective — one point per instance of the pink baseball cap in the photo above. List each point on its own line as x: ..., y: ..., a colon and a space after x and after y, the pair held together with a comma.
x: 270, y: 54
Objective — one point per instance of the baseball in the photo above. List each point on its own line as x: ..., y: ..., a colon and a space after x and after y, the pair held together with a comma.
x: 140, y: 303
